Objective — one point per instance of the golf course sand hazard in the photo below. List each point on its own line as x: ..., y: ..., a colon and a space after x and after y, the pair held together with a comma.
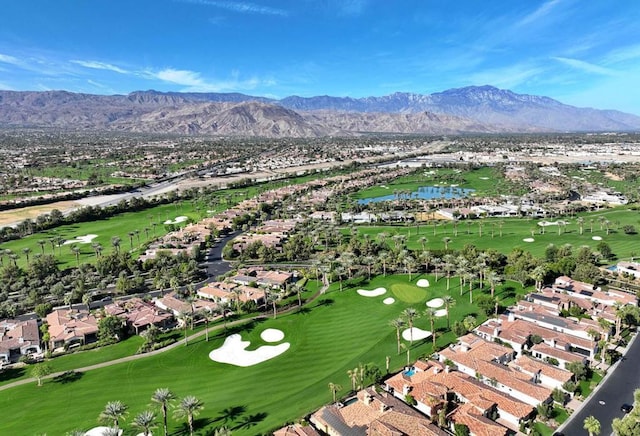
x: 234, y: 351
x: 422, y: 283
x: 179, y: 219
x: 374, y: 293
x: 417, y: 334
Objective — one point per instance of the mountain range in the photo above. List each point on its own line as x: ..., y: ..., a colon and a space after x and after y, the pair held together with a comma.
x: 474, y: 109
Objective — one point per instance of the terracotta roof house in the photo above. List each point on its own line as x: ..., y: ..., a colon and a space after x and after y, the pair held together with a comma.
x: 138, y: 314
x: 486, y: 362
x: 274, y: 279
x: 542, y: 372
x: 70, y: 327
x: 517, y: 333
x: 296, y: 430
x: 478, y: 424
x: 374, y: 414
x: 592, y: 292
x: 18, y: 338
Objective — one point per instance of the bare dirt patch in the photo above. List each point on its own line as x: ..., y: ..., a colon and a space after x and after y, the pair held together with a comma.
x: 14, y: 216
x: 613, y: 177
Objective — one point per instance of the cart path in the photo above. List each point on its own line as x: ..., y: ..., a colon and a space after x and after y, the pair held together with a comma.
x: 176, y: 344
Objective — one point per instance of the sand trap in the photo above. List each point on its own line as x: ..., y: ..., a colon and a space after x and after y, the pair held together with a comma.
x: 440, y: 313
x: 375, y: 293
x: 417, y: 334
x: 483, y: 178
x: 178, y: 219
x: 422, y: 283
x: 436, y: 302
x: 86, y: 239
x: 597, y: 238
x: 388, y: 300
x: 528, y: 239
x: 234, y: 352
x: 551, y: 223
x: 272, y: 335
x: 99, y: 431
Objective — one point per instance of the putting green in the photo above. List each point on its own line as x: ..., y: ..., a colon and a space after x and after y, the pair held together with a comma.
x: 408, y: 293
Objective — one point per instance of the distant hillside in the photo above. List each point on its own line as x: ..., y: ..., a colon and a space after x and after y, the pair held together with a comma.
x: 464, y: 110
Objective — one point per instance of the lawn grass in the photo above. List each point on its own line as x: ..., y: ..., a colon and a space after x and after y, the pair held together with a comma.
x: 119, y: 225
x: 543, y: 429
x: 505, y: 234
x: 559, y: 414
x: 588, y: 385
x: 333, y: 334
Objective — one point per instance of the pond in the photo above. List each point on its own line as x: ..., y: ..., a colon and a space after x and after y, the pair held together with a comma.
x: 424, y: 193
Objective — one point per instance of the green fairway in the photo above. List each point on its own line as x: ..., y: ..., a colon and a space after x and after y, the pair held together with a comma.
x: 332, y: 335
x: 408, y: 293
x: 505, y: 234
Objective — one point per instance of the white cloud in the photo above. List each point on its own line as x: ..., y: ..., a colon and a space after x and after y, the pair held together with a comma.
x: 100, y: 66
x: 540, y: 13
x: 180, y: 77
x: 585, y: 66
x: 9, y: 59
x: 193, y: 81
x: 623, y: 54
x: 508, y: 77
x: 240, y: 7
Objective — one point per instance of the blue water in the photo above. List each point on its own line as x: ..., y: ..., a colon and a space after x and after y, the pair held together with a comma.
x: 613, y: 268
x: 424, y: 193
x: 409, y: 372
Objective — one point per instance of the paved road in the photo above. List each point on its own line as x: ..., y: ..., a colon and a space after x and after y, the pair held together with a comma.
x: 614, y: 391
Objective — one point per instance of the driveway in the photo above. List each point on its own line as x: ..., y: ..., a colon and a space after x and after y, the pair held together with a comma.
x: 615, y: 390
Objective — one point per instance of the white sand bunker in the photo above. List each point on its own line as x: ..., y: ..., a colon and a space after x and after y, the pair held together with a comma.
x: 417, y: 334
x: 86, y: 239
x: 272, y: 335
x: 597, y: 238
x: 483, y: 178
x: 178, y: 219
x: 551, y: 223
x: 99, y: 431
x: 440, y: 313
x: 388, y: 300
x: 375, y: 293
x: 234, y: 352
x: 528, y: 239
x: 436, y: 302
x: 422, y: 283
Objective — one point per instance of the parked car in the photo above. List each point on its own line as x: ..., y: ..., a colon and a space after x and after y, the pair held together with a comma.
x: 626, y: 408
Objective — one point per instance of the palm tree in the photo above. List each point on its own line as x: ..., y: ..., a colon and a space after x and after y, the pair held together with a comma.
x: 580, y: 222
x: 410, y: 314
x: 185, y: 319
x: 115, y: 241
x: 446, y: 240
x: 397, y: 323
x: 163, y: 396
x: 592, y: 425
x: 334, y: 388
x: 76, y: 251
x: 114, y: 411
x: 145, y: 421
x: 353, y: 376
x: 449, y: 301
x: 42, y: 243
x: 538, y: 274
x: 222, y: 431
x: 26, y: 251
x: 273, y: 298
x: 431, y: 313
x: 494, y: 279
x: 188, y: 408
x: 382, y: 256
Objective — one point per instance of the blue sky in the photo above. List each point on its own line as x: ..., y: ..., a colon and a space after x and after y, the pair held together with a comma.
x: 581, y: 52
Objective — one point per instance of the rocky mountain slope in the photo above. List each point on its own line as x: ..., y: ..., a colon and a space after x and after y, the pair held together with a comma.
x: 473, y: 109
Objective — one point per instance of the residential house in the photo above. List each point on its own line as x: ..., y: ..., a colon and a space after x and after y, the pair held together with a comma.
x: 18, y: 338
x: 139, y: 315
x: 373, y: 414
x: 71, y: 327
